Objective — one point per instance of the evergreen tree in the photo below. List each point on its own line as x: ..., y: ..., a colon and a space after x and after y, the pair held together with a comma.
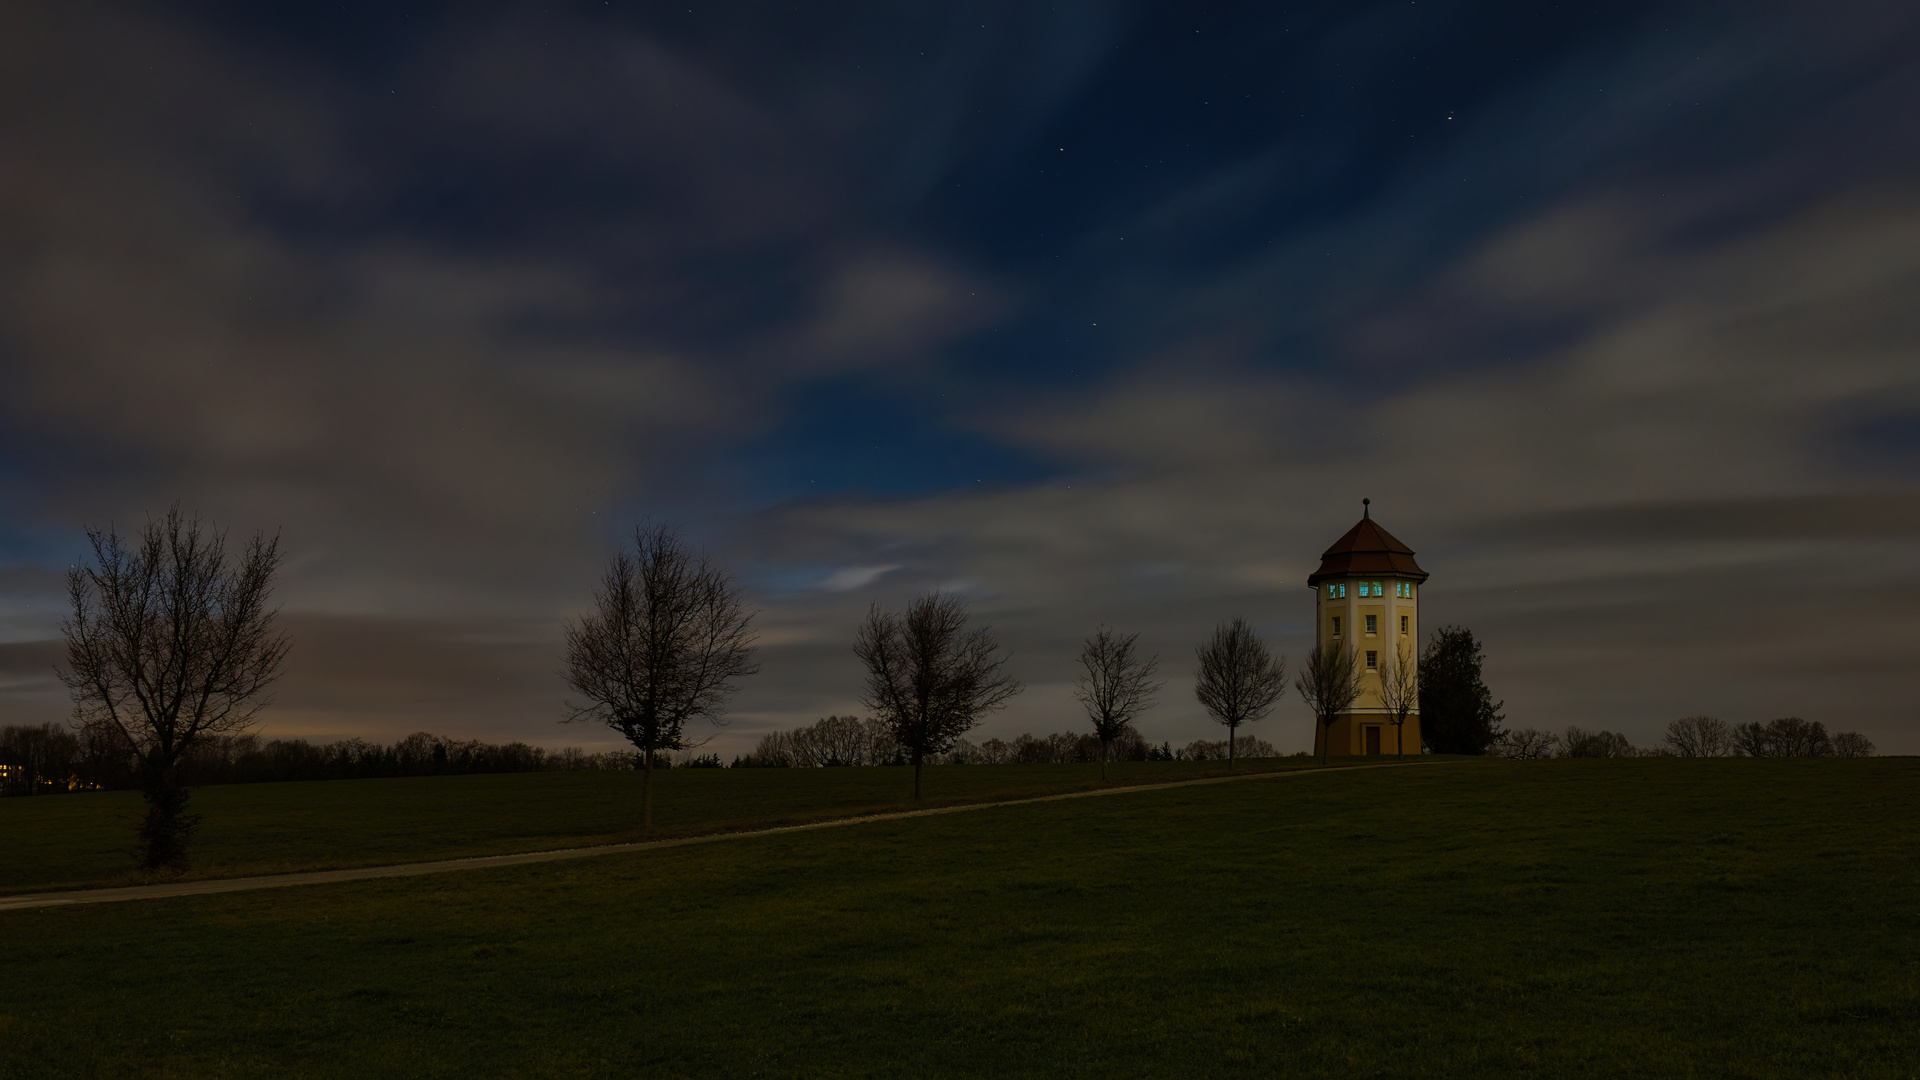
x: 1457, y: 713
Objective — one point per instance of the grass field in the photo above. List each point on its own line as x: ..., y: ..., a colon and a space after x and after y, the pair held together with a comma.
x: 1566, y: 918
x: 72, y: 841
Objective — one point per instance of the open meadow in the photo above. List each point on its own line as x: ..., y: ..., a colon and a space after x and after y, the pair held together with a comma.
x: 73, y: 841
x: 1650, y: 917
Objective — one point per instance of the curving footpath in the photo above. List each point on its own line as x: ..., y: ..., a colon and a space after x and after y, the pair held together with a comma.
x: 366, y: 873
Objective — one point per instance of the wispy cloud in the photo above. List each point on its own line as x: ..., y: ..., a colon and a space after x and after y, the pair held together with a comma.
x: 849, y: 578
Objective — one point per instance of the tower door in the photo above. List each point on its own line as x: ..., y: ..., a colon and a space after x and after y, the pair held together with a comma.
x: 1373, y: 738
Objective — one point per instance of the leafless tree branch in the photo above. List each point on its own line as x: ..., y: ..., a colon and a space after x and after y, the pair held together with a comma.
x: 667, y: 640
x: 1700, y: 736
x: 1239, y: 679
x: 1329, y: 684
x: 170, y: 644
x: 1400, y: 691
x: 929, y: 678
x: 1114, y: 685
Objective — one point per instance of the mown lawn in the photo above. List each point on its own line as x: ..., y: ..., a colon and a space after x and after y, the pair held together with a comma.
x: 1566, y: 918
x: 72, y: 841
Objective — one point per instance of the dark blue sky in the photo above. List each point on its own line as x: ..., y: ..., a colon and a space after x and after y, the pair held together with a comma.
x: 1090, y: 311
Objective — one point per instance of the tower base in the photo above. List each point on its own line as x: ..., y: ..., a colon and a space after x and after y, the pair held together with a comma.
x: 1367, y: 734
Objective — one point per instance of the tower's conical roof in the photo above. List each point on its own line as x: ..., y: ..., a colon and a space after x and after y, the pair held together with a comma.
x: 1367, y: 549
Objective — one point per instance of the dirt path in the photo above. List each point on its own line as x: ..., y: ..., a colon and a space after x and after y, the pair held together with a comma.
x: 364, y: 873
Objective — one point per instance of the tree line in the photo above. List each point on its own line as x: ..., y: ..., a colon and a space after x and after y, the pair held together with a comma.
x: 1690, y: 737
x: 669, y: 637
x: 852, y: 741
x: 52, y: 758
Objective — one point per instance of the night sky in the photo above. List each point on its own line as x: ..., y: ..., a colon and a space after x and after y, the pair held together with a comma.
x: 1089, y: 312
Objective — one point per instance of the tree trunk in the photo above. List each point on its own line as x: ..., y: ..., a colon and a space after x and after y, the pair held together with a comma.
x: 163, y: 835
x: 1400, y: 736
x: 1230, y: 730
x: 646, y: 789
x: 1103, y: 761
x: 916, y: 774
x: 1326, y: 741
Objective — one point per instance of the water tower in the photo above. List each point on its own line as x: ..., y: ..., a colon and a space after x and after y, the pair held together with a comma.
x: 1367, y: 600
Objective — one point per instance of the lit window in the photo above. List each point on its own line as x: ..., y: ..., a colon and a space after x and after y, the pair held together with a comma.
x: 1377, y: 590
x: 1373, y: 659
x: 1336, y: 626
x: 1373, y: 624
x: 1403, y: 624
x: 1339, y: 591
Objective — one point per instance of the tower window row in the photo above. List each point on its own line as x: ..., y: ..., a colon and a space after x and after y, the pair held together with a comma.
x: 1401, y: 589
x: 1373, y: 627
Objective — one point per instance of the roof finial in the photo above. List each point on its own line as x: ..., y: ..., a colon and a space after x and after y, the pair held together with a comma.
x: 1364, y: 511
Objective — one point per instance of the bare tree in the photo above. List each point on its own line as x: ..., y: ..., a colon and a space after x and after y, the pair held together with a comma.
x: 832, y: 740
x: 1114, y: 685
x: 1852, y: 744
x: 1699, y: 736
x: 1329, y: 684
x: 1244, y: 746
x: 775, y: 750
x: 1400, y: 693
x: 666, y: 642
x: 837, y: 740
x: 1239, y: 679
x: 1524, y: 744
x: 1790, y: 736
x: 929, y: 678
x: 1578, y: 742
x: 1751, y: 739
x: 171, y: 644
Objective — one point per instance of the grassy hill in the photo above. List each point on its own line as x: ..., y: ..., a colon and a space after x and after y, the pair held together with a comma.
x: 75, y: 841
x: 1564, y: 918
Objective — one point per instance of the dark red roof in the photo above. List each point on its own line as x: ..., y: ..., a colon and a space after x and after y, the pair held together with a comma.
x: 1367, y: 549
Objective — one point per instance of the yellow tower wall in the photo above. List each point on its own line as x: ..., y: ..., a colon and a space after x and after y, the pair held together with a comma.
x: 1347, y: 736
